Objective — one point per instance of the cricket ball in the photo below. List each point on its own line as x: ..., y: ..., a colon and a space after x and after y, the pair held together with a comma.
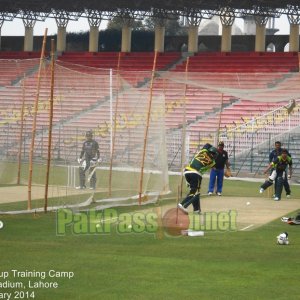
x: 174, y: 220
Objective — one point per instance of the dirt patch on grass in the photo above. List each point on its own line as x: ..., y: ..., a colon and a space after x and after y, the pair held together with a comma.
x: 252, y: 212
x: 20, y: 193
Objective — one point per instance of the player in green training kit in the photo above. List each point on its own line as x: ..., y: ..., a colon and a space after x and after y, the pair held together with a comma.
x: 203, y: 161
x: 279, y: 165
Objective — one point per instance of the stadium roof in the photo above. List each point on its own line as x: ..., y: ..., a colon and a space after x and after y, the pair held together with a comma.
x: 14, y: 6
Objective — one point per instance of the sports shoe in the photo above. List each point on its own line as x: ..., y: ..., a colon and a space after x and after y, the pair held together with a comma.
x: 288, y: 196
x: 182, y: 208
x: 261, y: 190
x: 209, y: 193
x: 92, y: 188
x: 286, y: 219
x: 276, y: 199
x: 219, y: 194
x: 197, y: 212
x: 80, y: 187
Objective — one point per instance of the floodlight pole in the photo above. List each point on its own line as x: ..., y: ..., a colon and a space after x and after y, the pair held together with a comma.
x: 50, y: 123
x: 36, y: 103
x: 147, y: 128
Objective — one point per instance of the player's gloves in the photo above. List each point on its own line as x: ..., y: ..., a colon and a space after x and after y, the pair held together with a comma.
x: 93, y: 162
x: 79, y: 160
x: 227, y: 173
x: 99, y: 160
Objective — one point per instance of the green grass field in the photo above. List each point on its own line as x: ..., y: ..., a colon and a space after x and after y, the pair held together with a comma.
x: 114, y: 265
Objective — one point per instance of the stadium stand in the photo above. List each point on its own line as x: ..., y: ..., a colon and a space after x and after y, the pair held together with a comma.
x: 249, y: 62
x: 202, y: 101
x: 12, y: 70
x: 134, y: 61
x: 19, y: 54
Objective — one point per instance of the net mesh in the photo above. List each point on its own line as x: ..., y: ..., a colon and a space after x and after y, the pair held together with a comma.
x: 106, y: 102
x: 187, y: 110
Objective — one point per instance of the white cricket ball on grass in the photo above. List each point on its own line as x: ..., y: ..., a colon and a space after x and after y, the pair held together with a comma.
x: 248, y: 203
x: 1, y: 224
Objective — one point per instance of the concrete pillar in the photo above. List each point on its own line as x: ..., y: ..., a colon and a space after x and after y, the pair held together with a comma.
x: 1, y: 23
x: 294, y: 38
x: 260, y: 38
x: 61, y: 38
x: 159, y: 39
x: 94, y: 39
x: 226, y: 38
x: 227, y: 18
x: 126, y: 38
x: 193, y: 38
x: 28, y: 39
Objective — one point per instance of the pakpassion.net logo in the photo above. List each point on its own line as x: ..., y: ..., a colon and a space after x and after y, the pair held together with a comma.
x: 170, y: 223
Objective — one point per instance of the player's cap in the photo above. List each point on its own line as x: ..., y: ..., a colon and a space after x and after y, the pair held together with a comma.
x: 221, y: 143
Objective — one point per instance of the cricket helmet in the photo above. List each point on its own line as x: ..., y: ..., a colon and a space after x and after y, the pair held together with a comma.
x: 89, y: 133
x: 213, y: 151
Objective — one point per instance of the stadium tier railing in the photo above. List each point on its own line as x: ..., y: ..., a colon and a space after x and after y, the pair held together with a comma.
x: 252, y: 135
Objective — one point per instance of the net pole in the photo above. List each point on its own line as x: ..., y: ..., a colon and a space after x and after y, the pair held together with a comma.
x: 21, y: 133
x: 111, y: 107
x: 35, y: 120
x: 183, y: 140
x: 219, y: 125
x: 114, y: 127
x: 147, y: 127
x: 50, y: 124
x: 220, y: 118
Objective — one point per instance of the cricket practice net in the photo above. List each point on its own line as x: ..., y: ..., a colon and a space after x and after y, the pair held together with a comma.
x: 146, y: 123
x: 127, y: 122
